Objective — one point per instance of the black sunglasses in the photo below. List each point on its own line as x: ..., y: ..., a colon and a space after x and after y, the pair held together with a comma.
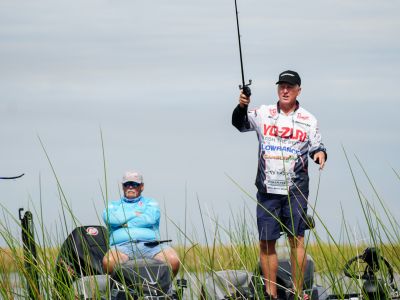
x: 132, y: 184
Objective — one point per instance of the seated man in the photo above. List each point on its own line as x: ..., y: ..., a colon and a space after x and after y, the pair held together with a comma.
x: 131, y: 221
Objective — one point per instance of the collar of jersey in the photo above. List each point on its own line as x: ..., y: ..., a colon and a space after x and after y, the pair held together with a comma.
x: 296, y: 107
x: 131, y: 200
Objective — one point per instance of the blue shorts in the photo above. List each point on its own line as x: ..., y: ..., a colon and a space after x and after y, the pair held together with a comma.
x: 139, y: 250
x: 279, y: 213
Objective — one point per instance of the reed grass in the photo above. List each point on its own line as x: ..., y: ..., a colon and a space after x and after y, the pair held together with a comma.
x: 238, y: 251
x: 228, y: 256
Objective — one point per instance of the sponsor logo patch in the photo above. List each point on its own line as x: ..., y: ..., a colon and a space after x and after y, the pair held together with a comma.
x: 284, y: 132
x: 92, y: 231
x: 302, y: 117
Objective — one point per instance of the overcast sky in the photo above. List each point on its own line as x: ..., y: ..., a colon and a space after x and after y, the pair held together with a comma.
x: 160, y: 79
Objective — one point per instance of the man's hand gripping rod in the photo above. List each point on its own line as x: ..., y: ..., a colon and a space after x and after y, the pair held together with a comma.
x: 244, y: 87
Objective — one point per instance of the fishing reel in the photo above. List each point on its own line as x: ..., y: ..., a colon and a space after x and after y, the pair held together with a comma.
x: 377, y: 275
x: 245, y: 88
x: 247, y: 92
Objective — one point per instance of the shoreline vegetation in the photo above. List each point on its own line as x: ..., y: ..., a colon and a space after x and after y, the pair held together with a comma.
x: 240, y: 251
x: 197, y: 262
x: 225, y: 257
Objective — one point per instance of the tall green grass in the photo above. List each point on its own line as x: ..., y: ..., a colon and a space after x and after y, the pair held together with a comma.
x: 227, y: 246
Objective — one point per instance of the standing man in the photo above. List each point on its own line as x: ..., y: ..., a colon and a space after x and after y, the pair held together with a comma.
x: 287, y: 134
x: 131, y: 221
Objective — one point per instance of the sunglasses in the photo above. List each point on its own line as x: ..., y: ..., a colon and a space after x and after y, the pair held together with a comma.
x: 132, y: 184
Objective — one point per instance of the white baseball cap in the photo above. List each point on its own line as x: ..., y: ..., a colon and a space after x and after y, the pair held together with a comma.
x: 132, y: 176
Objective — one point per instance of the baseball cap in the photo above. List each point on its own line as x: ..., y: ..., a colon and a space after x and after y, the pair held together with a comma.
x: 132, y: 176
x: 290, y: 77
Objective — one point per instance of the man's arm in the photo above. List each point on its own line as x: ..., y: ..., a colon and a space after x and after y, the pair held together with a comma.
x: 317, y: 149
x: 147, y: 217
x: 239, y: 119
x: 320, y: 158
x: 115, y: 215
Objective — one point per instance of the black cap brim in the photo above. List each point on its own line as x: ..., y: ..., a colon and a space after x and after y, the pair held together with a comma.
x: 286, y: 81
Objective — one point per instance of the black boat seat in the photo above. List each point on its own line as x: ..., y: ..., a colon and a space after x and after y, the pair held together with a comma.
x: 82, y: 252
x: 81, y: 256
x: 148, y: 276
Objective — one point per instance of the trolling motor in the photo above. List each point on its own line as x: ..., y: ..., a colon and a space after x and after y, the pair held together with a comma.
x: 30, y: 254
x: 373, y: 287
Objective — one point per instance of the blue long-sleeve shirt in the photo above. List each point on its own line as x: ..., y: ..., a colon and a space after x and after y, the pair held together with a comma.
x: 132, y: 219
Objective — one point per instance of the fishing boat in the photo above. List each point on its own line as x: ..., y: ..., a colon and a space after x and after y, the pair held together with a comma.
x: 374, y: 284
x: 79, y: 274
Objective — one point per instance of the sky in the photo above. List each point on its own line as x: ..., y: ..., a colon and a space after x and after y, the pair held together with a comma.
x: 155, y: 83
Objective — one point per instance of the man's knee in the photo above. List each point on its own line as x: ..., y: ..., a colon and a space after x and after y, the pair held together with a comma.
x: 268, y: 247
x: 108, y: 263
x: 112, y: 258
x: 171, y: 257
x: 296, y: 242
x: 175, y: 263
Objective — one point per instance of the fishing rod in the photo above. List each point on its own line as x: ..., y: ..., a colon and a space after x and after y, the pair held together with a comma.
x: 244, y: 87
x: 13, y: 177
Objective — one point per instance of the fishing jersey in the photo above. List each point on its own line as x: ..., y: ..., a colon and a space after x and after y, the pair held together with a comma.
x: 132, y: 220
x: 285, y: 141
